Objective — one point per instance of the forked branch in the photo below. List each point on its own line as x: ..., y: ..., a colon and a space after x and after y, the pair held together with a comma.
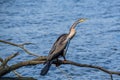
x: 4, y: 68
x: 22, y: 46
x: 42, y: 59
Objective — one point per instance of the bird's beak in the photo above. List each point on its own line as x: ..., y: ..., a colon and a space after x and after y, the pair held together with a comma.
x: 82, y: 20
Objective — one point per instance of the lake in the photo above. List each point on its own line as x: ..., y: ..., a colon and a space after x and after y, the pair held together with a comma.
x: 41, y: 22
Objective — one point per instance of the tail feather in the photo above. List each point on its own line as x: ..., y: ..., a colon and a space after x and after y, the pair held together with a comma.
x: 46, y: 68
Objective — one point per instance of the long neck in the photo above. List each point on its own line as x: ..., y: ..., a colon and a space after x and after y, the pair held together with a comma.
x: 71, y: 33
x: 75, y: 24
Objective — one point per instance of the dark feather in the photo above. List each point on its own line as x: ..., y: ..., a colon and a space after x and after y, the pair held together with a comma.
x: 46, y: 68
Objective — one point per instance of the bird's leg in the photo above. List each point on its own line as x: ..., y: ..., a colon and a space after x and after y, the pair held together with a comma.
x: 65, y: 50
x: 64, y: 58
x: 64, y: 53
x: 57, y: 62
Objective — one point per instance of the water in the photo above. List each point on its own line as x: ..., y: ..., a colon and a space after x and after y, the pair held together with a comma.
x: 97, y: 40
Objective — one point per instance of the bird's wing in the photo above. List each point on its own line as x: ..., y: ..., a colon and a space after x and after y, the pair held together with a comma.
x: 52, y: 49
x: 57, y: 47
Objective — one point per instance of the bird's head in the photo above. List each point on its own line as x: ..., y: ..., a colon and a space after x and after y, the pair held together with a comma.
x: 78, y: 21
x: 72, y: 29
x: 81, y: 20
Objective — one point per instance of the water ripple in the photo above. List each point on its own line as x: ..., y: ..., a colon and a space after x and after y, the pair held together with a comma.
x: 43, y: 21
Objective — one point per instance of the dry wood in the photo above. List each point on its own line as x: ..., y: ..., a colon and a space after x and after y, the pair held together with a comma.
x: 41, y: 59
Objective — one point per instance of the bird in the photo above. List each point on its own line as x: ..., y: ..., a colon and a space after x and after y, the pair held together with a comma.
x: 60, y: 47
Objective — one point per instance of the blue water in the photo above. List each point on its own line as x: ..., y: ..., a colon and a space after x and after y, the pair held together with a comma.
x: 97, y: 40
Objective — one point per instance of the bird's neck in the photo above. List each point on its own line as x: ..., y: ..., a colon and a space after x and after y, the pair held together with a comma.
x: 75, y: 24
x: 70, y: 36
x: 71, y: 33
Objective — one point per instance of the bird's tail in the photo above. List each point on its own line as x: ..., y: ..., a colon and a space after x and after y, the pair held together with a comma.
x: 46, y: 68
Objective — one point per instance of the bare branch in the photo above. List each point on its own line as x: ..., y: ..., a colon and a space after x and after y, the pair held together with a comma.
x: 60, y: 62
x: 28, y: 43
x: 16, y: 73
x: 1, y: 60
x: 20, y: 46
x: 35, y: 61
x: 6, y: 42
x: 9, y: 58
x: 18, y: 65
x: 4, y: 63
x: 39, y: 60
x: 16, y: 78
x: 90, y: 66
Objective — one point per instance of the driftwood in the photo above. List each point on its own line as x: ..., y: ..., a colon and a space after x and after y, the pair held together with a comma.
x: 41, y: 59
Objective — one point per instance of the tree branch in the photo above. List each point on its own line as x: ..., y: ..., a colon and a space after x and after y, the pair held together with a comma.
x: 20, y: 46
x: 90, y: 66
x: 18, y: 65
x: 1, y: 60
x: 16, y: 78
x: 42, y: 59
x: 4, y: 62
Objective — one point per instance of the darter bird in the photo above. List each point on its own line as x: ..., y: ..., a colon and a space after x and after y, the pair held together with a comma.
x: 60, y: 47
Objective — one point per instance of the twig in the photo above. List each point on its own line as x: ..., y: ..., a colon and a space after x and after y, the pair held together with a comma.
x: 20, y: 46
x: 66, y: 74
x: 16, y: 73
x: 1, y: 60
x: 4, y: 62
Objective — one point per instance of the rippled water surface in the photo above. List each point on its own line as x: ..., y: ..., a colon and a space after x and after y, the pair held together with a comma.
x: 97, y: 40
